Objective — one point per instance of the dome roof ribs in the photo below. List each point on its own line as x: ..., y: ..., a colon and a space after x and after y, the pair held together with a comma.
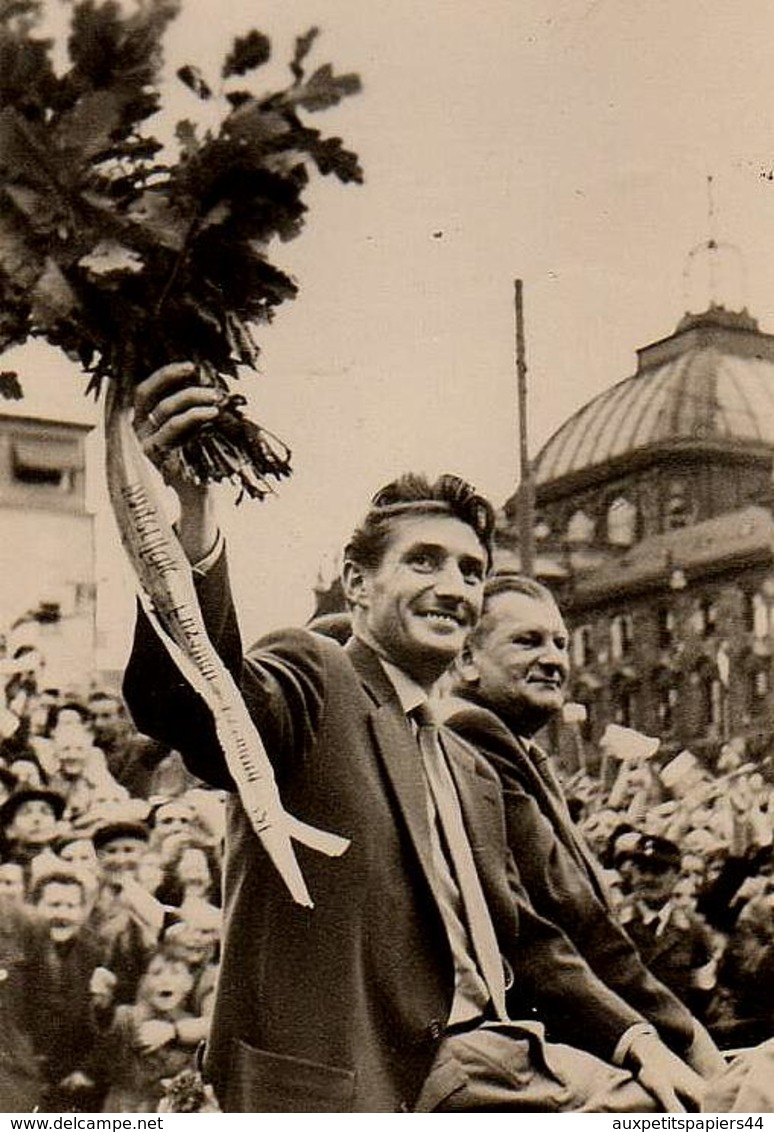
x: 650, y: 395
x: 711, y: 382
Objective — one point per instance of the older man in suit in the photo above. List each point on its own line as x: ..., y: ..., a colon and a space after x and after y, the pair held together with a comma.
x: 389, y: 995
x: 511, y: 681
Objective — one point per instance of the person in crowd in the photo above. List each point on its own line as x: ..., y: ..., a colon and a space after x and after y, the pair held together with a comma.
x: 141, y: 764
x: 126, y: 917
x: 172, y: 823
x: 147, y: 1041
x: 673, y: 940
x: 29, y: 820
x: 195, y: 939
x: 742, y: 1012
x: 390, y: 994
x: 76, y: 848
x: 81, y: 776
x: 512, y: 677
x: 191, y: 871
x: 12, y: 882
x: 62, y: 897
x: 27, y: 772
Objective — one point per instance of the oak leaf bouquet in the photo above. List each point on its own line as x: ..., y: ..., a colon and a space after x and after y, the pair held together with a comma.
x: 127, y: 259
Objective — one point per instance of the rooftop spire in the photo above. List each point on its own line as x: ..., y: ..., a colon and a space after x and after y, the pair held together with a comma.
x: 714, y: 274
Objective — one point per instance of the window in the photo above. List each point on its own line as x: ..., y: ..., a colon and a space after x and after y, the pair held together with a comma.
x: 665, y: 627
x: 711, y: 699
x: 760, y: 617
x: 621, y: 636
x: 581, y: 646
x: 667, y: 696
x: 624, y: 704
x: 46, y: 462
x: 580, y: 527
x: 587, y: 725
x: 621, y: 522
x: 704, y: 618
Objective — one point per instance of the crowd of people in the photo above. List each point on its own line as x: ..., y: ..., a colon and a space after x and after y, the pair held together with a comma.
x: 484, y: 937
x: 110, y: 884
x: 109, y: 905
x: 688, y: 855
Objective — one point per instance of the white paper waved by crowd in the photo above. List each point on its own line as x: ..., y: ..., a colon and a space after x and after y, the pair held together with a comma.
x: 688, y: 855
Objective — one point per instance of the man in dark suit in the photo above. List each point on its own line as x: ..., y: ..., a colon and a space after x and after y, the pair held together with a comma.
x: 384, y: 996
x: 677, y: 945
x: 512, y: 677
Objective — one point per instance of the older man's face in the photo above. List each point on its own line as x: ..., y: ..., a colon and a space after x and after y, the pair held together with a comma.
x: 520, y: 664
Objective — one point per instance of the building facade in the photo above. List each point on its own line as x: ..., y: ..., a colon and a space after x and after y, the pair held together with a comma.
x: 654, y: 527
x: 47, y: 597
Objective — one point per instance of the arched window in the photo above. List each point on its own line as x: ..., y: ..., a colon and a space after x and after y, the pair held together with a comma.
x: 761, y: 617
x: 704, y: 619
x: 581, y: 646
x: 712, y: 699
x: 580, y: 527
x: 665, y: 622
x: 624, y: 702
x: 667, y: 686
x: 621, y: 522
x: 621, y: 636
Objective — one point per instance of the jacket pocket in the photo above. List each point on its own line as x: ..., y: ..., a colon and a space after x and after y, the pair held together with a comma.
x: 260, y: 1081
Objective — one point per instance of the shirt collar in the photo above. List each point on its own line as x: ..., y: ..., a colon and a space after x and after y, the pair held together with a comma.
x: 410, y: 694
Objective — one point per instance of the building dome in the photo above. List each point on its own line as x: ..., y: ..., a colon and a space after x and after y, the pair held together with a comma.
x: 710, y: 383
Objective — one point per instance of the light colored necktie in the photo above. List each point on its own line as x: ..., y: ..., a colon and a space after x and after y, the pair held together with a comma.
x: 447, y: 804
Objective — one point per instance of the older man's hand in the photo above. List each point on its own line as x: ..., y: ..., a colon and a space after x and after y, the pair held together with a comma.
x: 674, y: 1085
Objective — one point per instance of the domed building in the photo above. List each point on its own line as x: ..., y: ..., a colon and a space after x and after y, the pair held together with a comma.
x: 654, y: 527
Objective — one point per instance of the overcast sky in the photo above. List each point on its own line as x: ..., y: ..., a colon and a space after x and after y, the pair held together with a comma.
x: 565, y: 142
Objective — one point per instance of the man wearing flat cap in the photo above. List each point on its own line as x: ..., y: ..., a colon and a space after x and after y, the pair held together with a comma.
x: 673, y: 941
x: 126, y: 917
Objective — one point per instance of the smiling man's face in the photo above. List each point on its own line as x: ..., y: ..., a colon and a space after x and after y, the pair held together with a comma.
x: 416, y: 608
x: 519, y: 663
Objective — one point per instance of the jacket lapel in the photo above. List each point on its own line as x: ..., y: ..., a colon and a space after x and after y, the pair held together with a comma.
x: 396, y: 748
x: 399, y: 754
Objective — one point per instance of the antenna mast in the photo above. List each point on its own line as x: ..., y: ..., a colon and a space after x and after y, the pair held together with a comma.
x: 526, y: 485
x: 712, y: 243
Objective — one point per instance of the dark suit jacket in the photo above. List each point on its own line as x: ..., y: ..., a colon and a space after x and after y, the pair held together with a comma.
x: 342, y: 1008
x: 559, y: 873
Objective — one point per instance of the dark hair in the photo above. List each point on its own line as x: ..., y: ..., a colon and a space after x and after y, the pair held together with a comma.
x: 505, y: 582
x: 69, y: 705
x: 415, y: 495
x: 170, y: 891
x: 57, y: 876
x: 105, y: 694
